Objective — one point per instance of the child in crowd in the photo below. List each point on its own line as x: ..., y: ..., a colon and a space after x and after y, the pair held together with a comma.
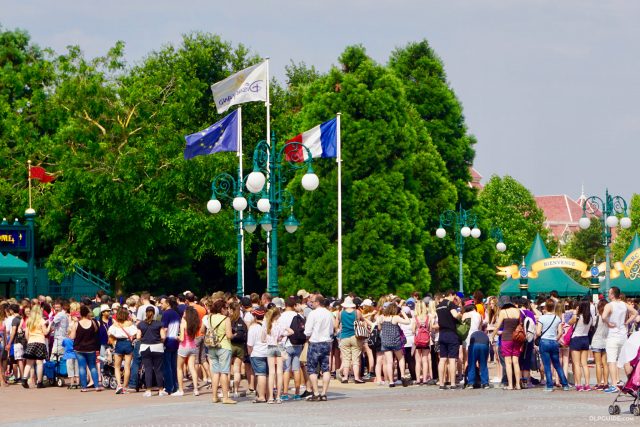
x: 72, y: 363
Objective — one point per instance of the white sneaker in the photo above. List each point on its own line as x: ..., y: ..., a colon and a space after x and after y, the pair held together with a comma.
x: 147, y: 393
x: 162, y: 393
x: 178, y: 393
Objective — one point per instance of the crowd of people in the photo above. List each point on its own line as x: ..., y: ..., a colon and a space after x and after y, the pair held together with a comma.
x: 257, y: 345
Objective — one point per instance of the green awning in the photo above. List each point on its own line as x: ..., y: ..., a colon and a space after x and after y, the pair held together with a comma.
x: 553, y: 279
x: 12, y: 268
x: 629, y: 287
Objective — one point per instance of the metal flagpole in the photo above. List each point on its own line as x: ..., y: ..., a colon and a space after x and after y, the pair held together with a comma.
x: 268, y: 139
x: 339, y: 160
x: 29, y: 163
x: 240, y: 178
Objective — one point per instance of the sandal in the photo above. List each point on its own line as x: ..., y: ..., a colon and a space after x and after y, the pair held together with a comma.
x: 258, y: 401
x: 278, y: 401
x: 84, y: 390
x: 322, y: 398
x: 271, y: 401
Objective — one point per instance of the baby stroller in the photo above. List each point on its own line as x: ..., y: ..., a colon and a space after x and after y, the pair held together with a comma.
x: 630, y: 391
x: 55, y: 369
x: 108, y: 371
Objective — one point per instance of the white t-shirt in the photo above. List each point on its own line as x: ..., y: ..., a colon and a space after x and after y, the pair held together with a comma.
x: 141, y: 314
x: 254, y: 339
x: 617, y: 317
x: 248, y: 318
x: 408, y: 332
x: 580, y: 329
x: 119, y: 332
x: 285, y: 321
x: 476, y: 322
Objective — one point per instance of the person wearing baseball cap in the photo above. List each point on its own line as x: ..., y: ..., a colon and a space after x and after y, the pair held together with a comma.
x: 257, y: 350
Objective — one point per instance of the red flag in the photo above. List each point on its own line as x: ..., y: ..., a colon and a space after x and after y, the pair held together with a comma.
x: 40, y: 174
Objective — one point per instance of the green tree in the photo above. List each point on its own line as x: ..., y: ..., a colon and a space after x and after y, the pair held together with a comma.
x: 424, y: 79
x: 623, y: 237
x: 586, y: 244
x: 394, y: 182
x: 512, y: 208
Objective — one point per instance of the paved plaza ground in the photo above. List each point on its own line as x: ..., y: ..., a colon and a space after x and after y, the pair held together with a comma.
x: 348, y: 405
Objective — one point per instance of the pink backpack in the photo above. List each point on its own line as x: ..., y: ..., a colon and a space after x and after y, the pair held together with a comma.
x: 423, y: 336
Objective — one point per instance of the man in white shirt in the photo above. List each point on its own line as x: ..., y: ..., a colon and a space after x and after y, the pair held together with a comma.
x: 142, y: 310
x: 615, y: 316
x: 319, y: 329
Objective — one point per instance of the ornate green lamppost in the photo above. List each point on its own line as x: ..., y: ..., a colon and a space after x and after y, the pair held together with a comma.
x: 464, y: 224
x: 610, y: 206
x: 265, y: 185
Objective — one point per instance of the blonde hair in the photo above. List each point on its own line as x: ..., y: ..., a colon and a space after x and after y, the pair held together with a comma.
x: 421, y: 309
x: 432, y: 308
x: 270, y: 318
x: 35, y: 317
x: 74, y: 306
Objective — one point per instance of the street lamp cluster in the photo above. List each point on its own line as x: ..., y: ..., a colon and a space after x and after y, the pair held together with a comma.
x: 263, y: 190
x: 464, y: 224
x: 609, y: 207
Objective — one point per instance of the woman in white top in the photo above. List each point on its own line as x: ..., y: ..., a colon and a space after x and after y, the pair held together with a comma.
x: 598, y: 347
x: 579, y: 344
x: 408, y: 330
x: 272, y: 334
x: 124, y: 332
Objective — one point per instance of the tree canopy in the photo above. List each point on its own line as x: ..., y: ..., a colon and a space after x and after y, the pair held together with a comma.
x: 127, y: 204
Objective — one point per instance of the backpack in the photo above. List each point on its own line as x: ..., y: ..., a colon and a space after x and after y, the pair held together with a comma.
x: 374, y: 339
x: 567, y: 333
x: 240, y: 332
x: 297, y: 326
x: 211, y: 338
x: 423, y: 336
x: 530, y: 329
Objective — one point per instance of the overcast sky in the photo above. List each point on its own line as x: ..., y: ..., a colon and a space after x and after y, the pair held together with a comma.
x: 550, y: 88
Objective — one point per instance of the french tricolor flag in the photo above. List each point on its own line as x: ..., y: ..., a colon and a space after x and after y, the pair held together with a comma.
x: 321, y: 141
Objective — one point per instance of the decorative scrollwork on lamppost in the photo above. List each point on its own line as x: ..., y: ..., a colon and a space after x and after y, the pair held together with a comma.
x: 464, y: 224
x: 610, y: 207
x: 267, y: 194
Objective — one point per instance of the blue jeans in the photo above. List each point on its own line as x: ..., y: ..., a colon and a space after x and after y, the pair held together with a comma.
x: 135, y: 365
x: 84, y: 360
x: 170, y: 366
x: 550, y: 353
x: 478, y: 353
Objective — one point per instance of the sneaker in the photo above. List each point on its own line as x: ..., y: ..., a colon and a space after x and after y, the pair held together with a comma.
x: 297, y: 397
x: 431, y: 382
x: 566, y: 387
x: 586, y: 388
x: 547, y: 389
x: 611, y: 389
x: 456, y: 387
x: 486, y: 386
x: 366, y: 377
x: 119, y: 390
x: 397, y: 382
x: 306, y: 394
x: 392, y: 384
x: 443, y: 387
x: 178, y: 393
x: 147, y: 393
x: 405, y: 381
x: 381, y: 383
x: 578, y: 388
x: 468, y: 386
x: 284, y: 397
x: 162, y: 393
x: 25, y: 383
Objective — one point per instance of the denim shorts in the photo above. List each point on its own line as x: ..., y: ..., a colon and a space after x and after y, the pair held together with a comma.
x: 220, y: 360
x: 293, y: 361
x: 274, y: 351
x: 123, y: 347
x: 260, y: 366
x: 318, y: 357
x: 579, y: 343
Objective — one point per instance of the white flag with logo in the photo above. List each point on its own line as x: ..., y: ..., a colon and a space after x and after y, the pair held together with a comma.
x: 247, y: 85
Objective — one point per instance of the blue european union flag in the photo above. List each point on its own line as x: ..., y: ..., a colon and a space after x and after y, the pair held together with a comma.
x: 220, y: 136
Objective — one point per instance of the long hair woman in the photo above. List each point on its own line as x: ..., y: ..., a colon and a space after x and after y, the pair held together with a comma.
x: 579, y: 344
x: 188, y: 350
x: 218, y: 323
x: 86, y: 343
x: 272, y: 334
x: 36, y: 351
x: 422, y: 330
x: 509, y: 318
x: 152, y: 335
x: 598, y: 346
x: 124, y: 332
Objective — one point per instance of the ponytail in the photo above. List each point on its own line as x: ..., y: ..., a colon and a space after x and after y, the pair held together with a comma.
x: 150, y: 314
